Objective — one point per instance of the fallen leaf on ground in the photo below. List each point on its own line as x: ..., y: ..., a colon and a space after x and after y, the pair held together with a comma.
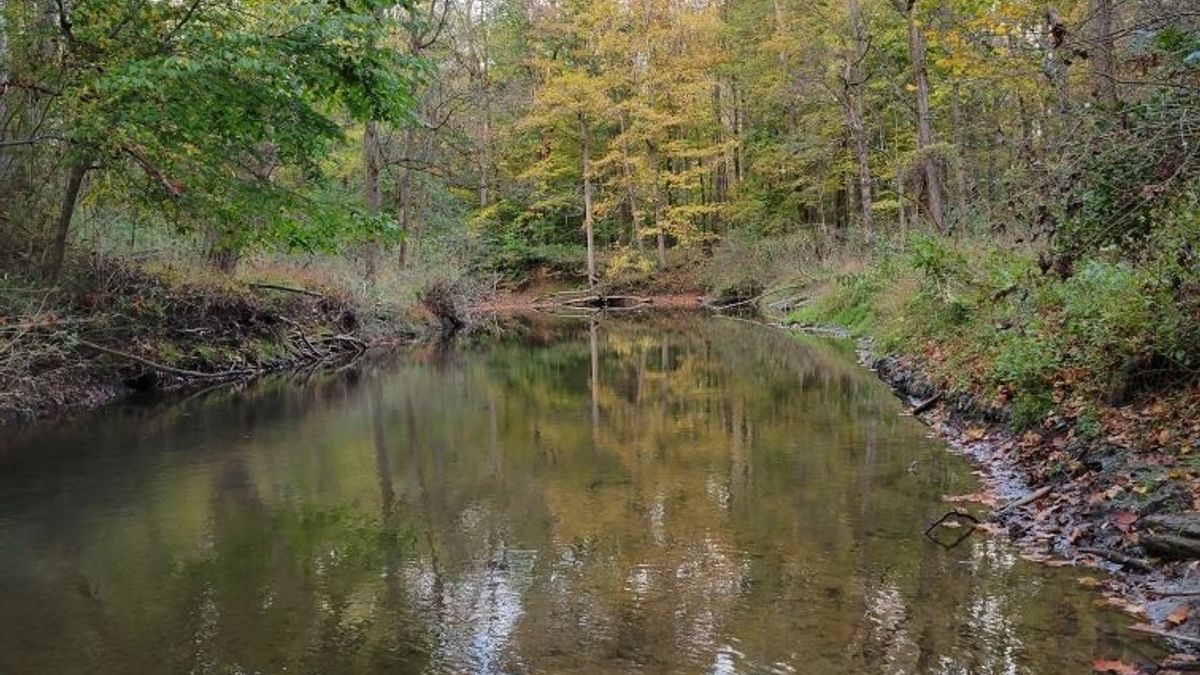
x: 1124, y: 520
x: 1180, y: 615
x: 1119, y: 667
x: 973, y: 498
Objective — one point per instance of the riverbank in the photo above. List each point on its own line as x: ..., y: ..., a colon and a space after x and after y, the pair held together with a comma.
x: 117, y: 327
x: 1058, y: 390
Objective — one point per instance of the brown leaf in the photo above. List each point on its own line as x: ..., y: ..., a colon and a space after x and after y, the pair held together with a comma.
x: 1118, y: 667
x: 1124, y: 520
x: 1180, y: 615
x: 972, y: 498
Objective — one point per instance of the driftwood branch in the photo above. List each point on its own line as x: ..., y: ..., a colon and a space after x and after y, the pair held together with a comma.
x: 287, y: 289
x: 1027, y: 499
x: 739, y: 303
x: 161, y: 367
x: 925, y: 406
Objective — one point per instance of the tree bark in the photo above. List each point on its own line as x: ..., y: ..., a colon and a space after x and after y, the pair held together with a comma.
x: 929, y: 167
x: 1102, y: 57
x: 58, y: 248
x: 855, y: 119
x: 371, y: 181
x: 635, y: 234
x: 588, y: 224
x: 960, y: 143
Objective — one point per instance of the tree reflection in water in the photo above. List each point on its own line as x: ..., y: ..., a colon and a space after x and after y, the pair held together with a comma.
x: 679, y: 495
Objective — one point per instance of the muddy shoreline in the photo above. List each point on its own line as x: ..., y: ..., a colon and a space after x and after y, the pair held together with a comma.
x: 1082, y: 515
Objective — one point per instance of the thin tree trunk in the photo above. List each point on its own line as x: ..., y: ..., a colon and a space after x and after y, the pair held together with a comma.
x: 855, y: 118
x: 636, y: 234
x: 660, y: 235
x: 58, y: 249
x: 960, y: 168
x: 1102, y: 57
x: 588, y: 223
x: 485, y: 155
x: 371, y: 181
x: 933, y: 183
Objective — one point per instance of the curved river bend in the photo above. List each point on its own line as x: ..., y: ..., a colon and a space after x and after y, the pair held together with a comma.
x: 679, y: 495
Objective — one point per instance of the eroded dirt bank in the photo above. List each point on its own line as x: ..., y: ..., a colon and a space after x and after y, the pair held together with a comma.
x: 118, y: 328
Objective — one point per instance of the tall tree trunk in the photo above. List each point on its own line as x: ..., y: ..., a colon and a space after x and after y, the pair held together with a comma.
x: 1102, y: 54
x: 853, y: 78
x: 588, y: 223
x: 485, y: 155
x: 660, y: 235
x: 960, y: 146
x: 58, y: 247
x: 371, y: 182
x: 408, y: 197
x: 635, y: 234
x: 929, y: 165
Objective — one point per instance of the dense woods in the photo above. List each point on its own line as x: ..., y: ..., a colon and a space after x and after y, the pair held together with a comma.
x: 993, y: 154
x: 528, y: 129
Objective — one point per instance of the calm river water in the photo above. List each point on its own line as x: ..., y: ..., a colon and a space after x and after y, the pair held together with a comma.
x: 679, y: 495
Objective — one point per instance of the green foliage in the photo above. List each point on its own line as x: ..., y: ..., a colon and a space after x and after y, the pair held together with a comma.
x: 1029, y: 408
x: 1026, y: 361
x: 513, y: 256
x: 216, y: 115
x: 628, y: 268
x: 938, y: 262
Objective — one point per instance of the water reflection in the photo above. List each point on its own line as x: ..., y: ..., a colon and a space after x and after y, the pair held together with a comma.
x: 678, y: 496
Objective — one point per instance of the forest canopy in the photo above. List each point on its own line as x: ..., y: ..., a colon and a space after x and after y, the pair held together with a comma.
x: 589, y: 138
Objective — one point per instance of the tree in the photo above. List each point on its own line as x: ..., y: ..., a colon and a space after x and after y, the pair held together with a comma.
x: 199, y: 108
x: 920, y: 74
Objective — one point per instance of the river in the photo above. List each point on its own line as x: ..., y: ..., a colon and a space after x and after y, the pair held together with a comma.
x: 633, y: 495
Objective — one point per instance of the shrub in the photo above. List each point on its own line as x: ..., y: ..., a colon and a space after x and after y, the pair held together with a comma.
x: 1025, y: 362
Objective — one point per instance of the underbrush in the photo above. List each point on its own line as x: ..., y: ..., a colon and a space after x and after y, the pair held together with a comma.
x: 112, y: 324
x: 989, y: 317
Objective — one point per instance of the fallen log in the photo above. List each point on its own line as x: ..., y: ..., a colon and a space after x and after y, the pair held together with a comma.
x: 1170, y: 546
x: 1183, y: 524
x: 1118, y: 558
x: 359, y: 345
x: 605, y: 301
